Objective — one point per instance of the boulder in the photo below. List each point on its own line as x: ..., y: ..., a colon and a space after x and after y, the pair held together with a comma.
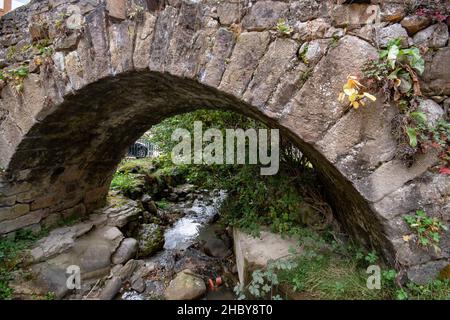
x: 151, y: 239
x: 121, y: 211
x: 148, y: 204
x: 126, y: 251
x: 217, y: 248
x: 58, y: 241
x: 110, y: 289
x: 255, y: 253
x: 127, y: 270
x: 186, y: 286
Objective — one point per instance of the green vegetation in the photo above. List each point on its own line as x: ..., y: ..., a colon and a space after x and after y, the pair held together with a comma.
x: 124, y: 182
x: 283, y: 28
x: 15, y: 76
x: 289, y: 203
x: 264, y: 282
x: 427, y: 229
x: 12, y: 255
x: 396, y: 74
x: 332, y: 270
x: 162, y: 204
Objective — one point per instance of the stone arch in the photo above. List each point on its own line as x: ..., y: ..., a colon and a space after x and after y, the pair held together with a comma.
x: 121, y: 66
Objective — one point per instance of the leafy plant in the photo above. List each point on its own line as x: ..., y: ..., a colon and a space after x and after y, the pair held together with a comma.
x: 162, y: 204
x: 427, y: 229
x: 15, y: 75
x: 302, y: 54
x: 371, y: 257
x: 396, y: 73
x: 283, y: 28
x: 123, y: 182
x: 11, y: 256
x: 264, y: 282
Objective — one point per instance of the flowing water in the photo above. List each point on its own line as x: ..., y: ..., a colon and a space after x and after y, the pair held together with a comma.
x: 196, y: 225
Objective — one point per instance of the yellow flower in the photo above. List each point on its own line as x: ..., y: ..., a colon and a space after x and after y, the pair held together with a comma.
x: 353, y: 91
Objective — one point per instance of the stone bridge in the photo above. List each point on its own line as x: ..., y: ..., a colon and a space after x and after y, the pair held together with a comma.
x: 99, y: 73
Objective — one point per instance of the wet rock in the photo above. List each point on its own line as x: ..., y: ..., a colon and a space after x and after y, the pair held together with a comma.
x: 151, y: 239
x: 148, y: 204
x: 155, y: 289
x: 127, y: 270
x: 184, y: 189
x: 138, y: 285
x: 186, y: 286
x: 126, y: 251
x: 198, y: 262
x: 435, y: 36
x: 137, y: 280
x: 173, y: 197
x: 111, y: 289
x: 432, y: 110
x: 217, y: 248
x: 415, y: 23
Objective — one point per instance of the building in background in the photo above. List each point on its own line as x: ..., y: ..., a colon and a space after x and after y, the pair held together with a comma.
x: 5, y: 6
x: 8, y: 5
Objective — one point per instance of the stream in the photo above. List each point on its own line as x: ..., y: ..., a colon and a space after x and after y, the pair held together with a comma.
x: 195, y: 241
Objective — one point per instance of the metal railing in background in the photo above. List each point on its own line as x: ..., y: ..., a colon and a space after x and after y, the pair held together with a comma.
x: 142, y: 149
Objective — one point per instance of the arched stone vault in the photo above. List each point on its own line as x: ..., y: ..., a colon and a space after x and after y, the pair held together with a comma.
x: 123, y: 66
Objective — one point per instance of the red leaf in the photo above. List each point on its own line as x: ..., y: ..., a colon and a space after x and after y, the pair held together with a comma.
x: 444, y: 170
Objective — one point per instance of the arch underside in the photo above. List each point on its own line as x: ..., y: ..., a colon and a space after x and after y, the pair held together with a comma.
x: 64, y: 135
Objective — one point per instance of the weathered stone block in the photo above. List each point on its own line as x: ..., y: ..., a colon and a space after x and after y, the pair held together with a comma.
x: 264, y: 15
x: 221, y: 51
x: 250, y: 47
x: 144, y: 37
x: 267, y: 74
x: 415, y: 23
x: 116, y: 9
x: 21, y: 222
x: 395, y: 31
x: 436, y: 78
x: 354, y: 15
x: 44, y: 202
